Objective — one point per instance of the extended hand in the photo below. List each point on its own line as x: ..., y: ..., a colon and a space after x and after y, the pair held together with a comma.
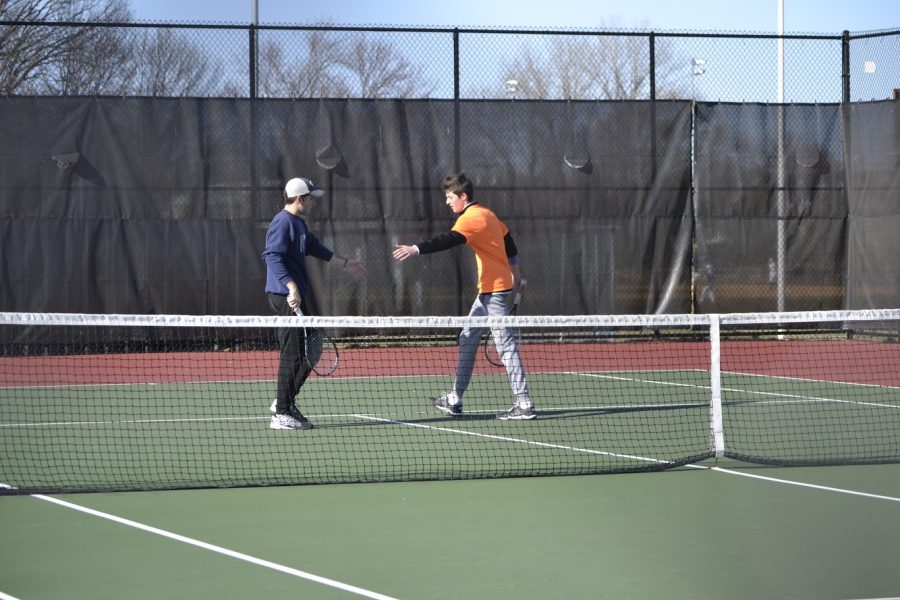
x: 404, y: 252
x: 356, y: 268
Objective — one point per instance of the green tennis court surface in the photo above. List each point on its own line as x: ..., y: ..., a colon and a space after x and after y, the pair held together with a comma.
x: 166, y: 435
x: 685, y: 533
x: 88, y: 408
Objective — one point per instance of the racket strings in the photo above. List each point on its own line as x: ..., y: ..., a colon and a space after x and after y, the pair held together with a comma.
x: 320, y: 351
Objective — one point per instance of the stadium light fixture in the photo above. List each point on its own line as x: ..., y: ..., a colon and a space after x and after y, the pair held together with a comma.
x: 698, y: 66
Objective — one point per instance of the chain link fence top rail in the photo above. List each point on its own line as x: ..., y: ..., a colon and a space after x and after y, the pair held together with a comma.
x: 330, y: 61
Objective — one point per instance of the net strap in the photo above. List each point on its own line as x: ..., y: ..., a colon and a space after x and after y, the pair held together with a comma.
x: 716, y: 427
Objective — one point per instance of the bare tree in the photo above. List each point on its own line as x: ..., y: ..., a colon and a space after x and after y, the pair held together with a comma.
x: 328, y: 65
x: 166, y: 63
x: 379, y: 71
x: 603, y: 66
x: 308, y: 74
x: 570, y: 70
x: 98, y: 66
x: 38, y: 56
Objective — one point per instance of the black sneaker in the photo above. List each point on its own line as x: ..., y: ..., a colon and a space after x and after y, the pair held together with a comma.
x: 517, y: 413
x: 443, y: 405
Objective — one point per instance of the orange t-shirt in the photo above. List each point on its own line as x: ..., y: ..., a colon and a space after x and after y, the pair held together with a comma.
x: 484, y: 232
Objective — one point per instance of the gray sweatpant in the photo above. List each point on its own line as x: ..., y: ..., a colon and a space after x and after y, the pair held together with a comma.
x: 493, y: 304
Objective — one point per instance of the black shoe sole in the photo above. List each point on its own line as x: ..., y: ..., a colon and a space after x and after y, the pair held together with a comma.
x: 444, y: 410
x: 505, y: 417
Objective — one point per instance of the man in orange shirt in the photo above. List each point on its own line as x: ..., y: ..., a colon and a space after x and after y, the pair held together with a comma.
x: 498, y: 274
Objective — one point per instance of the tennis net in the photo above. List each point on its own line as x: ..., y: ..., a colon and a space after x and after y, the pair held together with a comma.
x: 137, y: 402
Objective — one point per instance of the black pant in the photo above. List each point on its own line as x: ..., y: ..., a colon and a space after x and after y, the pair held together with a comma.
x: 292, y: 367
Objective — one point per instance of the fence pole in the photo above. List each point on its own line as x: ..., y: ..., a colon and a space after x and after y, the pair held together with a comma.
x: 254, y: 90
x: 781, y: 249
x: 845, y: 66
x: 653, y: 106
x: 457, y: 154
x: 456, y: 139
x: 846, y: 138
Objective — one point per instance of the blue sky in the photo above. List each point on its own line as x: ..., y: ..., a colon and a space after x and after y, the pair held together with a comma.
x: 813, y: 16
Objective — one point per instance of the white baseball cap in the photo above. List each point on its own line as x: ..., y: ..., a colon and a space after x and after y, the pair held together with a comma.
x: 300, y: 186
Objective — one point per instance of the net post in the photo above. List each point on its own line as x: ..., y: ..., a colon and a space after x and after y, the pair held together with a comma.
x: 716, y: 428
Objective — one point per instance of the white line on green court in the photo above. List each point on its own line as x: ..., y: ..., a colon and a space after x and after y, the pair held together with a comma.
x: 642, y: 458
x: 510, y: 439
x: 628, y: 456
x: 218, y: 549
x: 801, y: 484
x: 794, y: 397
x: 806, y: 379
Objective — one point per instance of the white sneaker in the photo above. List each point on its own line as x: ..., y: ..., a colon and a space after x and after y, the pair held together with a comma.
x: 445, y: 404
x: 517, y: 413
x: 289, y: 422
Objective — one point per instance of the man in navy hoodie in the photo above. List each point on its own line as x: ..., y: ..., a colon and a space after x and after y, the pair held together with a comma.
x: 288, y: 242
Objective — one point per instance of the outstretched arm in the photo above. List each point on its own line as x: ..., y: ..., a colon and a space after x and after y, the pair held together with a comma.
x: 445, y: 241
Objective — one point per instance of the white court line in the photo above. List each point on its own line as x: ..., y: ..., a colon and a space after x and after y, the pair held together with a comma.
x: 591, y: 451
x: 584, y: 450
x: 375, y: 595
x: 158, y: 421
x: 613, y: 454
x: 510, y: 439
x: 128, y: 422
x: 317, y: 380
x: 4, y: 596
x: 801, y: 484
x: 313, y: 416
x: 218, y: 549
x: 826, y: 381
x: 798, y: 397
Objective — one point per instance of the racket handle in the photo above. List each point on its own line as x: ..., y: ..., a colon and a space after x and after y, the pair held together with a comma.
x: 520, y: 291
x: 518, y: 297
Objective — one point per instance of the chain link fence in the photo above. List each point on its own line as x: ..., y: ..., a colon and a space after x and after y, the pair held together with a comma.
x: 269, y: 61
x: 677, y: 181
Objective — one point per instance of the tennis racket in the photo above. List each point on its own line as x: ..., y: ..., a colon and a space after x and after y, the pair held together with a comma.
x: 320, y: 353
x: 490, y: 348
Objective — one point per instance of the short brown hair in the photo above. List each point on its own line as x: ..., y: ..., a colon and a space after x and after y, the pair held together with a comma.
x: 458, y: 184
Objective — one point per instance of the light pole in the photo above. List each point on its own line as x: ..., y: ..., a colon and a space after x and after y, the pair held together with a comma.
x: 781, y: 241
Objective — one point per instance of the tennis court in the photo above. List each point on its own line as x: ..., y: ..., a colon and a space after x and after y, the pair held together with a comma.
x: 191, y: 410
x: 395, y: 419
x: 623, y: 402
x: 195, y: 434
x: 619, y: 427
x: 749, y: 532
